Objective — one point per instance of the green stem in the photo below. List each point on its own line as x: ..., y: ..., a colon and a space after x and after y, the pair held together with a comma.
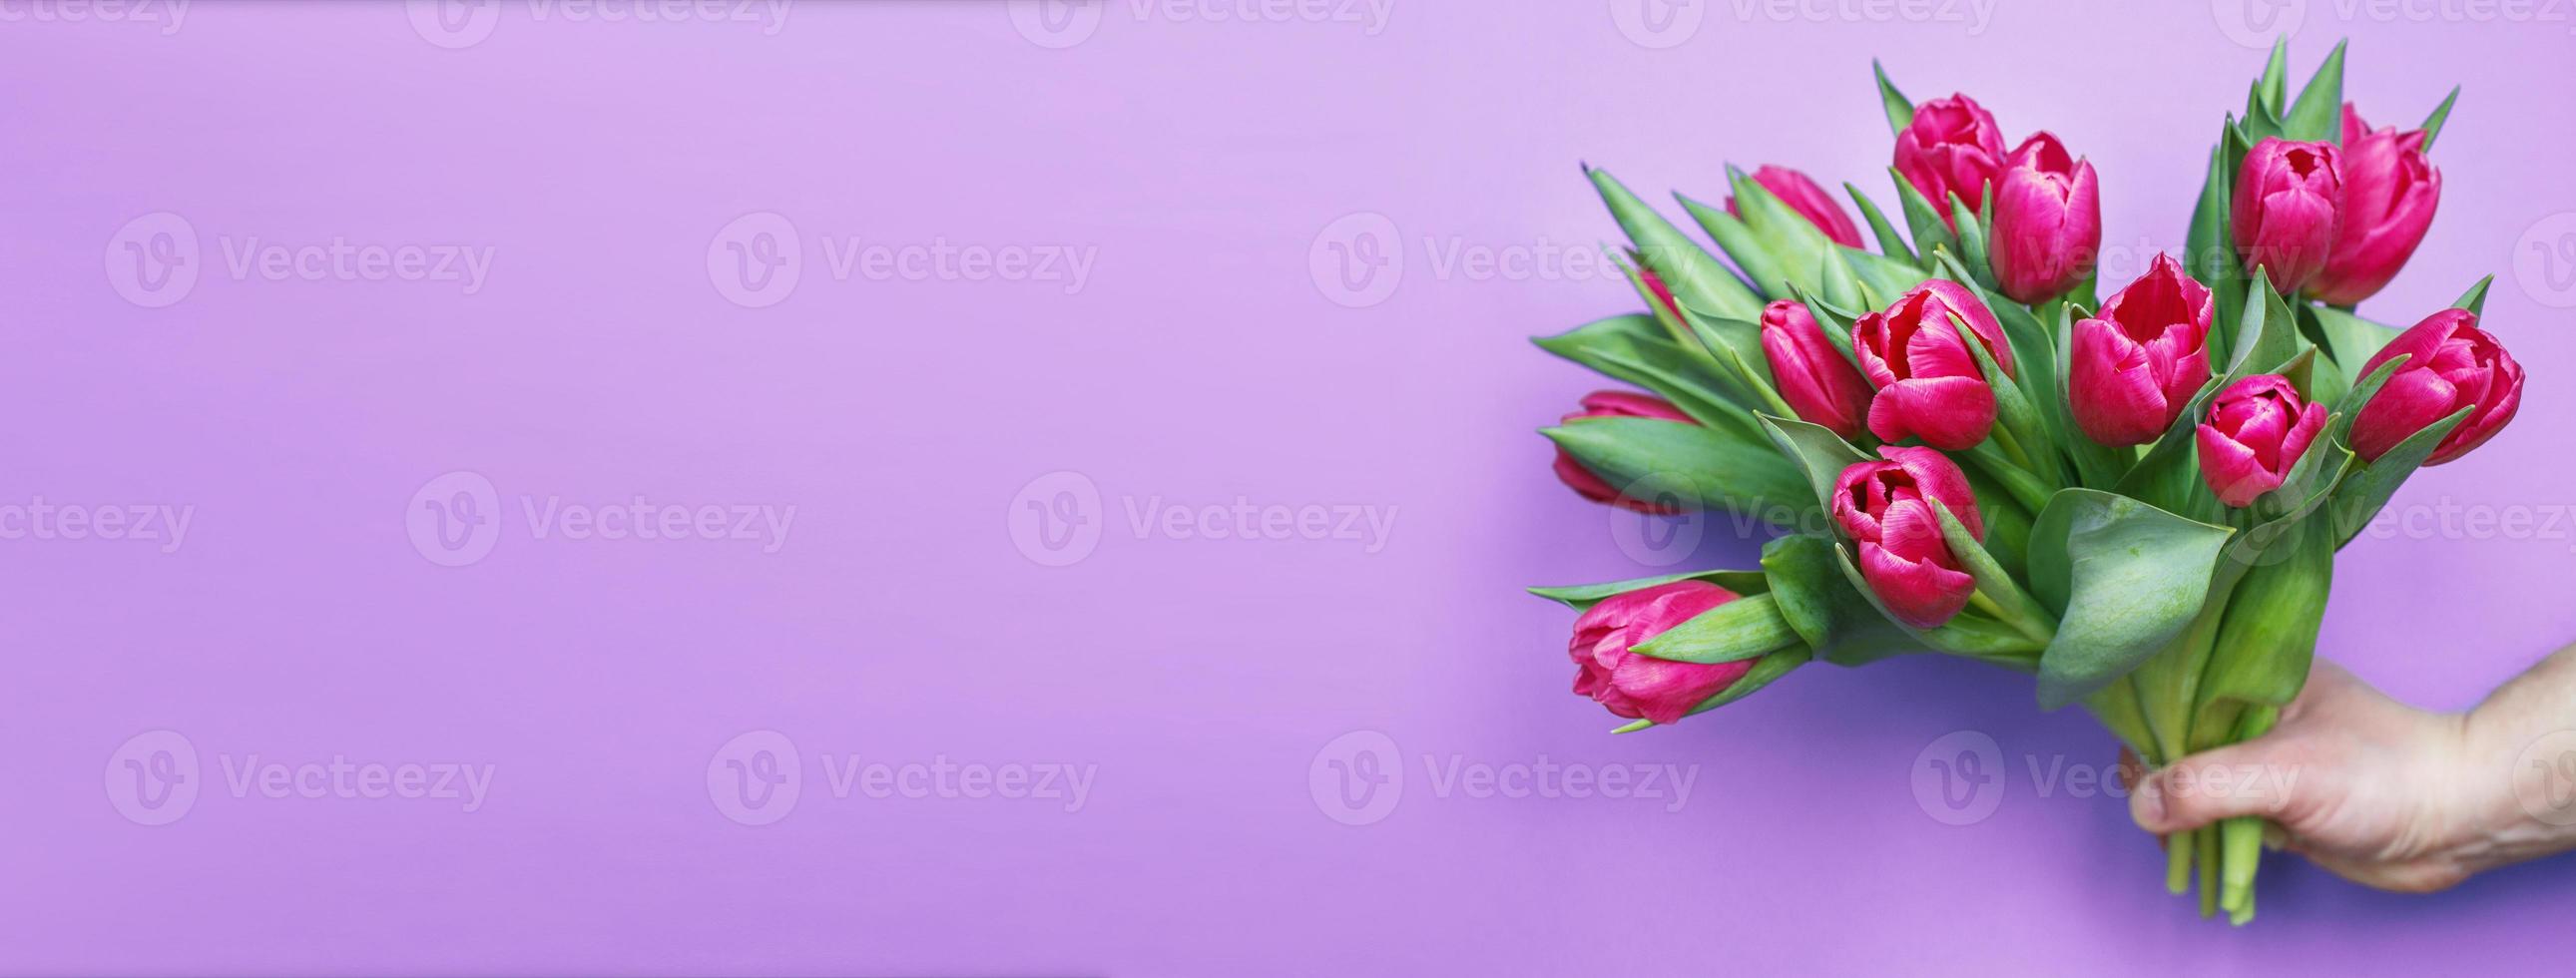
x: 2178, y: 848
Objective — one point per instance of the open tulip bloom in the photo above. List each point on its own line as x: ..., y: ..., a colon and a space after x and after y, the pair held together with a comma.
x: 1970, y: 451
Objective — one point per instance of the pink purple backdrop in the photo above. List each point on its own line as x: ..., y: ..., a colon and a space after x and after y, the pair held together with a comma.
x: 1149, y: 388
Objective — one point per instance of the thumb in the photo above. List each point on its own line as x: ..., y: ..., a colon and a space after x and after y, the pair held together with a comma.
x: 2239, y: 780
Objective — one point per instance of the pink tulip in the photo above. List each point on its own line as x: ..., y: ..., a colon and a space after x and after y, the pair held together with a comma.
x: 1633, y: 685
x: 1952, y: 149
x: 2389, y: 191
x: 1885, y: 508
x: 2288, y: 197
x: 2048, y: 221
x: 2451, y: 364
x: 1812, y: 375
x: 1809, y: 200
x: 2137, y: 363
x: 2256, y: 431
x: 1614, y: 404
x: 1928, y: 383
x: 1663, y: 293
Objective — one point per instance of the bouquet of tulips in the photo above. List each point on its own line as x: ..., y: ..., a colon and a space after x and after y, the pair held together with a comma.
x: 2137, y: 497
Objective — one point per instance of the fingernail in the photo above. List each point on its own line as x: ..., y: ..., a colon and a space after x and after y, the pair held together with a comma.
x: 2147, y: 804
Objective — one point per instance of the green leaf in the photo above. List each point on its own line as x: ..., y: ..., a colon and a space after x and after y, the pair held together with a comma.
x: 1971, y: 231
x: 2475, y: 299
x: 1889, y: 242
x: 2348, y: 406
x: 1693, y: 274
x: 1769, y: 273
x: 2368, y: 488
x: 1922, y: 218
x: 1900, y: 112
x: 1835, y: 321
x: 2269, y: 635
x: 1837, y: 622
x: 1882, y: 278
x: 2318, y: 115
x: 2274, y: 88
x: 1973, y: 636
x: 1632, y: 348
x: 2211, y: 245
x: 2126, y: 578
x: 2433, y: 123
x: 2259, y: 123
x: 1764, y: 673
x: 2348, y: 340
x: 1837, y: 284
x: 1581, y: 597
x: 1994, y: 583
x: 1795, y: 243
x: 1817, y: 452
x: 1741, y: 629
x: 1693, y: 465
x: 2097, y: 465
x: 2269, y: 338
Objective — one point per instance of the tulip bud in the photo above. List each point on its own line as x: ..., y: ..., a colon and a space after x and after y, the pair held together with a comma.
x: 2389, y: 191
x: 2137, y: 363
x: 2288, y: 196
x: 2256, y: 431
x: 1886, y: 510
x: 1809, y: 200
x: 2048, y: 221
x: 2450, y: 364
x: 1633, y: 685
x: 1952, y: 149
x: 1663, y: 293
x: 1812, y: 375
x: 1614, y: 404
x: 1929, y: 385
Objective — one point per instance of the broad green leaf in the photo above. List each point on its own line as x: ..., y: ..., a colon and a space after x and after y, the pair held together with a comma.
x: 1693, y: 274
x: 1889, y: 242
x: 2269, y: 633
x: 1795, y: 244
x: 2126, y: 578
x: 1632, y: 348
x: 1732, y: 632
x: 2369, y: 486
x: 1837, y: 284
x: 1836, y: 323
x: 1581, y: 597
x: 1900, y: 113
x: 1817, y: 452
x: 1692, y: 465
x: 1837, y: 622
x: 1769, y: 273
x: 2269, y: 338
x: 1882, y: 279
x: 2441, y: 114
x: 1973, y: 636
x: 2348, y: 340
x: 2318, y: 114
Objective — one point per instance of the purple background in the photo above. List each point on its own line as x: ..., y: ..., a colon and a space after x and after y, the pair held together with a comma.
x: 1199, y: 362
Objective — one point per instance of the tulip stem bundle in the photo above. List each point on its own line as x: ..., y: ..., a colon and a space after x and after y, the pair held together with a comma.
x: 2137, y: 498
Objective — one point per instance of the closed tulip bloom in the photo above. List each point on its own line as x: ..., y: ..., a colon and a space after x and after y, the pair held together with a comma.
x: 2451, y: 364
x: 2389, y: 191
x: 2048, y: 221
x: 2288, y: 196
x: 1633, y: 685
x: 1952, y: 150
x: 1614, y: 404
x: 1929, y: 386
x: 1885, y: 508
x: 2136, y: 364
x: 1809, y: 200
x: 2257, y: 429
x: 1812, y: 375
